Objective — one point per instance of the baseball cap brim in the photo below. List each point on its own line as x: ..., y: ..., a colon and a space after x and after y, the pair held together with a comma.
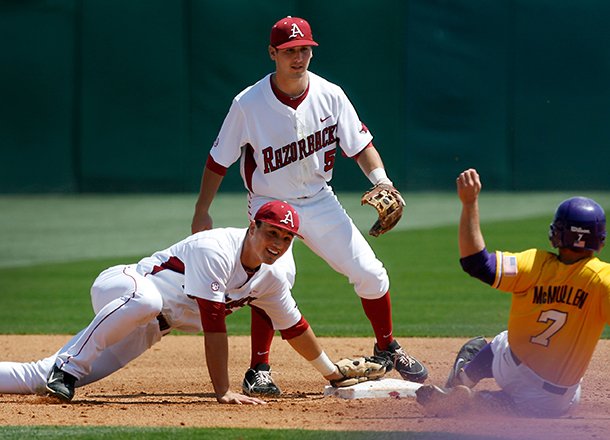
x: 281, y: 226
x: 296, y: 43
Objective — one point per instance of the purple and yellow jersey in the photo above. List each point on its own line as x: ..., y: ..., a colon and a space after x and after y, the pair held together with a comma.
x: 558, y: 311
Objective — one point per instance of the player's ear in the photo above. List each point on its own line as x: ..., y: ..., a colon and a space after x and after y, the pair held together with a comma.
x: 252, y: 227
x: 272, y: 52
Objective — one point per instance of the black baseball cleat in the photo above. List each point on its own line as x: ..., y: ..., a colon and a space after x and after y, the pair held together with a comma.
x: 258, y: 382
x: 467, y: 353
x: 60, y: 384
x: 444, y: 402
x: 407, y: 366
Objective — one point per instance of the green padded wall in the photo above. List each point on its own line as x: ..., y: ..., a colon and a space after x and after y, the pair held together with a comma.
x: 128, y: 96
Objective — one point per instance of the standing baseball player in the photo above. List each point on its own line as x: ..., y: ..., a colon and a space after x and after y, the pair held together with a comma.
x: 189, y: 286
x: 286, y: 130
x: 560, y: 305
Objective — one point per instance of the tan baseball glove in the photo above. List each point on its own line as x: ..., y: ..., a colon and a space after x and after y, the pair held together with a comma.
x: 360, y: 369
x: 389, y: 205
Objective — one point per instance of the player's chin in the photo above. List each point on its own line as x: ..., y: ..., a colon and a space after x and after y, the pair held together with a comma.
x: 299, y: 70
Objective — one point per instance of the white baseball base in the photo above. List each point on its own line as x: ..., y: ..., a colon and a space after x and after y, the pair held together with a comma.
x: 394, y: 388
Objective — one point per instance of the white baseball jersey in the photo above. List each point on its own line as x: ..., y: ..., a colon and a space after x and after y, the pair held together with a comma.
x: 127, y: 300
x: 207, y: 265
x: 287, y: 153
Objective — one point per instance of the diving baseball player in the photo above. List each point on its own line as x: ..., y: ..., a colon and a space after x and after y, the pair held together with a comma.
x: 189, y: 286
x: 560, y: 306
x: 286, y: 131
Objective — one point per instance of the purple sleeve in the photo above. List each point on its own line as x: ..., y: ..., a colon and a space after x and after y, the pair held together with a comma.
x: 481, y: 265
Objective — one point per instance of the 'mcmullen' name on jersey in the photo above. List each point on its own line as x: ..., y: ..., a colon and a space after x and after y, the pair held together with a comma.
x: 560, y: 294
x: 275, y: 158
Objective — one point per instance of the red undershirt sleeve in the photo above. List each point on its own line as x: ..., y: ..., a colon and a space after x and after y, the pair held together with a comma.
x: 357, y: 155
x: 212, y: 315
x: 212, y: 165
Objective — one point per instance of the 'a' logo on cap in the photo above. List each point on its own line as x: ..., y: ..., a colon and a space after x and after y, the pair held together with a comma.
x: 288, y: 219
x: 296, y: 31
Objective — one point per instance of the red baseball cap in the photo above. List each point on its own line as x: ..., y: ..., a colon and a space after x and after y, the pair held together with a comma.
x: 279, y: 214
x: 291, y: 32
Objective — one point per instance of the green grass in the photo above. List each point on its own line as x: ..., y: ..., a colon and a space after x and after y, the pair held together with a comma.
x: 430, y: 293
x: 53, y: 247
x: 86, y: 433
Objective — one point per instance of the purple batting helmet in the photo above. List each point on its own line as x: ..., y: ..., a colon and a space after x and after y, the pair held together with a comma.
x: 579, y: 223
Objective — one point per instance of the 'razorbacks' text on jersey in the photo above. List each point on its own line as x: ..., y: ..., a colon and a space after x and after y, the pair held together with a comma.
x: 287, y: 153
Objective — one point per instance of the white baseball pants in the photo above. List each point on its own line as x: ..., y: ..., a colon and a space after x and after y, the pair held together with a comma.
x: 330, y: 233
x: 125, y: 326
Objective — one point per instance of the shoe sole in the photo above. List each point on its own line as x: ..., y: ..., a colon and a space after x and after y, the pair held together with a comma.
x: 254, y: 394
x: 414, y: 377
x: 58, y: 396
x: 417, y: 379
x: 251, y: 393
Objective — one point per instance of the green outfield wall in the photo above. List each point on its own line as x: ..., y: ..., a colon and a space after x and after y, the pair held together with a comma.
x: 128, y: 95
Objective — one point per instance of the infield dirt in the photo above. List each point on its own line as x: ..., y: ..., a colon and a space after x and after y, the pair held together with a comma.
x: 169, y: 386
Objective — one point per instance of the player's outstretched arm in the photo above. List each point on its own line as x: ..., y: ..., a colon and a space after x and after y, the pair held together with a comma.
x: 216, y: 356
x: 345, y: 372
x: 470, y: 238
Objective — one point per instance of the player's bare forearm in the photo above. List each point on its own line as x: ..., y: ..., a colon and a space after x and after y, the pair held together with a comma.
x: 470, y: 237
x: 369, y: 159
x: 216, y: 356
x: 210, y: 182
x: 306, y: 344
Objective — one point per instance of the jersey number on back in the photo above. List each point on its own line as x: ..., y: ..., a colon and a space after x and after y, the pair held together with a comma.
x: 557, y: 318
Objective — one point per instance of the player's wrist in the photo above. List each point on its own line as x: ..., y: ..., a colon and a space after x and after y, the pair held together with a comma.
x: 378, y: 175
x: 324, y: 365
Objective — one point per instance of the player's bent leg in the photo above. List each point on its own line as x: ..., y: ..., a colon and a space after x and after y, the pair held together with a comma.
x: 29, y: 377
x: 115, y: 321
x: 24, y: 377
x: 120, y: 354
x: 466, y: 354
x: 109, y: 285
x: 257, y: 380
x: 261, y: 336
x: 346, y: 250
x: 62, y: 385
